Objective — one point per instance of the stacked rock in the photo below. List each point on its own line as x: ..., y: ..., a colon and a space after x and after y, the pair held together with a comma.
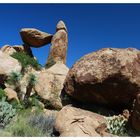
x: 59, y: 42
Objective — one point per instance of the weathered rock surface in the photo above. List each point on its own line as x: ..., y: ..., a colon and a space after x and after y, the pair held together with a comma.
x: 135, y: 117
x: 58, y: 50
x: 50, y: 83
x: 7, y: 65
x: 11, y: 94
x: 7, y: 49
x: 34, y: 37
x: 61, y: 26
x: 76, y: 122
x: 108, y: 76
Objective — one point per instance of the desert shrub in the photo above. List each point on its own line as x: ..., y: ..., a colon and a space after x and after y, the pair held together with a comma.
x: 31, y: 123
x: 3, y: 133
x: 16, y: 104
x: 26, y: 60
x: 43, y: 123
x: 2, y: 93
x: 7, y: 112
x: 117, y: 125
x: 20, y: 126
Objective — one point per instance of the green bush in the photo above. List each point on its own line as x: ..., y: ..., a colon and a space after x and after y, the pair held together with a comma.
x: 2, y: 93
x: 117, y: 125
x: 26, y: 60
x: 14, y: 78
x: 32, y: 79
x: 16, y: 104
x: 7, y: 112
x: 31, y: 124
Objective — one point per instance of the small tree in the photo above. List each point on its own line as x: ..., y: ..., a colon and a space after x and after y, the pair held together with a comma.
x: 14, y: 79
x: 32, y: 79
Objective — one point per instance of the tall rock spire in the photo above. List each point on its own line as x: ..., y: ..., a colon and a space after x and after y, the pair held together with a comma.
x: 58, y: 49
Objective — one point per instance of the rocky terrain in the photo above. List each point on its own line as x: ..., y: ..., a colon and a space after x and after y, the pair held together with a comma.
x: 98, y: 97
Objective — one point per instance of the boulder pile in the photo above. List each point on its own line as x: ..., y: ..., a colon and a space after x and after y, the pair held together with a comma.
x: 96, y: 90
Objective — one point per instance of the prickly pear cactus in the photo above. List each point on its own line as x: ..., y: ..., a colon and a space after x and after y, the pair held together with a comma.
x: 117, y: 125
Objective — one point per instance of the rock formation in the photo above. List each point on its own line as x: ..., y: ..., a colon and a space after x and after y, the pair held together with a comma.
x: 50, y: 83
x: 108, y: 76
x: 11, y: 94
x: 34, y: 37
x: 7, y: 65
x: 105, y: 82
x: 58, y: 50
x: 76, y: 122
x: 7, y: 49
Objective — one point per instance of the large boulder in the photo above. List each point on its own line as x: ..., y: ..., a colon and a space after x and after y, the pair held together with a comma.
x: 109, y: 76
x: 50, y: 83
x: 135, y: 117
x: 58, y: 50
x: 76, y: 122
x: 34, y: 37
x: 7, y: 65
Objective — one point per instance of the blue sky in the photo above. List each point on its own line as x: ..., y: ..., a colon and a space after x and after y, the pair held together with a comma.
x: 90, y: 26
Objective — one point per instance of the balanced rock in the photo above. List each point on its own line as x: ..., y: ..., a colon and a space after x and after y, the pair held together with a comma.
x: 76, y: 122
x: 58, y: 50
x: 50, y: 83
x: 108, y: 76
x: 7, y: 65
x: 34, y: 37
x: 135, y: 117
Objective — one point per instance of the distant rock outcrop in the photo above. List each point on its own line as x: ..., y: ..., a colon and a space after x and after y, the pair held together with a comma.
x: 34, y: 37
x: 108, y: 76
x: 58, y: 50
